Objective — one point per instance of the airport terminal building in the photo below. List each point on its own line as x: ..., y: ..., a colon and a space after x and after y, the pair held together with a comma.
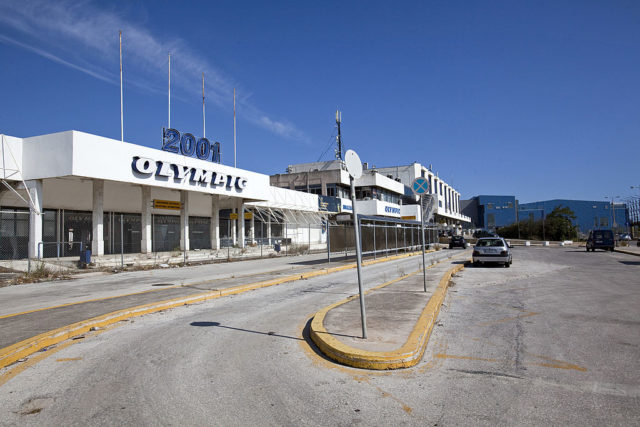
x: 67, y: 188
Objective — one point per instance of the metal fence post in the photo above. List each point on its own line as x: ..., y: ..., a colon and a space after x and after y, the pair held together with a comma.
x: 395, y: 232
x: 121, y: 242
x: 344, y: 227
x: 374, y: 239
x: 386, y: 240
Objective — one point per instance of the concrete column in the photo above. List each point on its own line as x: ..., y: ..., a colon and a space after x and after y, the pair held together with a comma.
x: 240, y: 223
x: 97, y: 236
x: 184, y: 220
x: 146, y: 243
x: 269, y: 230
x: 252, y: 227
x: 215, y: 222
x: 232, y: 231
x: 34, y: 187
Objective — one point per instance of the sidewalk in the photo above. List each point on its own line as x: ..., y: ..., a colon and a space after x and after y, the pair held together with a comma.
x: 399, y: 315
x: 632, y: 249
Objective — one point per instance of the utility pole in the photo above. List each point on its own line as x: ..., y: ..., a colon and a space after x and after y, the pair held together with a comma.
x: 339, y: 137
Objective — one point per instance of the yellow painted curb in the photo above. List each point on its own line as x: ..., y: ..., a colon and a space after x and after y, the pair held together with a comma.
x: 22, y: 349
x: 406, y: 356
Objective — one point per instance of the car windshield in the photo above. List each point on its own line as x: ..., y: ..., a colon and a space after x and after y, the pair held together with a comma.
x: 603, y: 234
x: 490, y: 242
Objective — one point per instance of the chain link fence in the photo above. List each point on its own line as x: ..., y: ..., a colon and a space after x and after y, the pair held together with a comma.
x: 379, y: 238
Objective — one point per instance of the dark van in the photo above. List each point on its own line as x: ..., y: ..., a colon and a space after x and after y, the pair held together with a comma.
x: 600, y: 239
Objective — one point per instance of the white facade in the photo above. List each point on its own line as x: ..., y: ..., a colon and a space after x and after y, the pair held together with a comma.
x: 448, y: 206
x: 77, y: 171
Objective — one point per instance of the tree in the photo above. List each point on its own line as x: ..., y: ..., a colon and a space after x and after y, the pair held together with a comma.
x: 557, y: 226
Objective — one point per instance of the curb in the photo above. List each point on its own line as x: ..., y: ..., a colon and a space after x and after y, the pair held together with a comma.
x: 406, y: 356
x: 22, y: 349
x: 622, y: 251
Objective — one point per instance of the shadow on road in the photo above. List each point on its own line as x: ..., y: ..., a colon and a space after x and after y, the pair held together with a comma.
x: 630, y: 262
x: 217, y: 324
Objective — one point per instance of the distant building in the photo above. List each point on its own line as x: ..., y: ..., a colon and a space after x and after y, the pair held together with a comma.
x: 383, y: 192
x: 589, y: 213
x: 493, y: 212
x: 490, y: 212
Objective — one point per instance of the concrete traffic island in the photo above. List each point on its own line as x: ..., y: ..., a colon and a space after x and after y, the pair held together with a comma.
x: 400, y: 317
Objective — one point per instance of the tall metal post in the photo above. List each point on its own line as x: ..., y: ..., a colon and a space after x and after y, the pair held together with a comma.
x: 121, y: 102
x: 328, y: 243
x: 121, y: 241
x: 356, y: 228
x: 424, y: 266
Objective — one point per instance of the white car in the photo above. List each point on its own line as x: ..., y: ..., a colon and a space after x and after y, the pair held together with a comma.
x: 492, y: 249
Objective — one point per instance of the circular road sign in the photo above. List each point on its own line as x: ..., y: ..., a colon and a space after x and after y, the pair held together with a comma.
x: 420, y: 186
x: 353, y: 163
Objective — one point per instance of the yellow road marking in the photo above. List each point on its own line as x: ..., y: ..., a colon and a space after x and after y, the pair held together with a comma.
x: 557, y: 365
x: 21, y: 367
x: 508, y: 319
x: 69, y: 359
x: 451, y: 356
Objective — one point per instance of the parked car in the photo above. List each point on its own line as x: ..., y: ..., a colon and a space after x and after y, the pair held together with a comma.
x: 484, y: 233
x: 600, y: 239
x: 493, y: 250
x: 457, y: 242
x: 624, y: 236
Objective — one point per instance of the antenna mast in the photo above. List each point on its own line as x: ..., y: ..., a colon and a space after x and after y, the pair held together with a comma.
x: 339, y: 137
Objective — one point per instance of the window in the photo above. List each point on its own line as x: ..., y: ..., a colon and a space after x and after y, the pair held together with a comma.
x: 489, y: 205
x: 510, y: 205
x: 604, y: 221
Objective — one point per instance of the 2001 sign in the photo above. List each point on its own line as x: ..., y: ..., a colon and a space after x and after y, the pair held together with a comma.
x: 187, y: 145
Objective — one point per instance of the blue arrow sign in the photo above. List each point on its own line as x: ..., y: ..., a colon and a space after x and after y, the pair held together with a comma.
x: 420, y: 186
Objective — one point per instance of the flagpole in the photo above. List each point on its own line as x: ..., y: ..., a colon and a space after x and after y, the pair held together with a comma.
x: 234, y: 128
x: 121, y: 103
x: 204, y: 126
x: 169, y: 121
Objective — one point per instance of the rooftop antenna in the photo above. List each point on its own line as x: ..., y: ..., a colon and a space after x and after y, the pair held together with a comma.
x: 203, y: 116
x: 169, y: 120
x: 121, y: 103
x: 339, y: 137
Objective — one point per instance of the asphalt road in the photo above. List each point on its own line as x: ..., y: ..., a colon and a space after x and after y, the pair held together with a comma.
x: 552, y: 340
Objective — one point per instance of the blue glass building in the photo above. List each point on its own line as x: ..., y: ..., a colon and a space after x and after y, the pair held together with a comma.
x: 493, y: 212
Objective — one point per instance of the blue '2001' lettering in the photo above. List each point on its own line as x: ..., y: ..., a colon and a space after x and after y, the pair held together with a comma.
x: 187, y: 145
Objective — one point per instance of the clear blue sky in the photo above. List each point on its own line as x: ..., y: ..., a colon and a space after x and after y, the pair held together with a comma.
x: 537, y: 99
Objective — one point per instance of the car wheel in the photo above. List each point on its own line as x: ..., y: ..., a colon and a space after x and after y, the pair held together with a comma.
x: 507, y: 264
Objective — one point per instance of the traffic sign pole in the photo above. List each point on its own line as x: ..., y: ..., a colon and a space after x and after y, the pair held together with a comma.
x: 424, y: 266
x: 420, y: 186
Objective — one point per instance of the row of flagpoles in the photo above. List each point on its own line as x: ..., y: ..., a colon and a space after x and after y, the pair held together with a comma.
x: 169, y: 107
